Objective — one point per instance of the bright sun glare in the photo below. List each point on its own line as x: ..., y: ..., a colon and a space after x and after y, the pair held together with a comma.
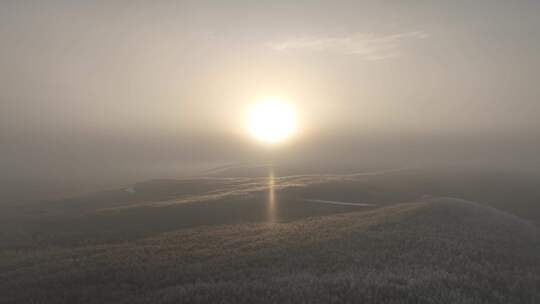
x: 271, y: 121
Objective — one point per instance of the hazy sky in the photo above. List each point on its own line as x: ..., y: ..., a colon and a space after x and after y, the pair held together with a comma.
x: 107, y: 88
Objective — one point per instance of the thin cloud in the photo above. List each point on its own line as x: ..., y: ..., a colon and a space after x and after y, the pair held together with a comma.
x: 367, y: 46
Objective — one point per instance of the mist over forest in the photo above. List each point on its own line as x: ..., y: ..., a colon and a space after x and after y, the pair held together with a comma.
x: 269, y: 151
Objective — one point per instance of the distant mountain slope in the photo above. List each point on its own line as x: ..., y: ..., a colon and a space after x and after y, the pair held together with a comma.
x: 438, y: 250
x: 157, y: 206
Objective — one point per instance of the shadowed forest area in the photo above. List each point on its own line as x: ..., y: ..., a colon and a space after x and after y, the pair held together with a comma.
x: 415, y: 236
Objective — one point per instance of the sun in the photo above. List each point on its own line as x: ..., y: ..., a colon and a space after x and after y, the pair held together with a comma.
x: 271, y: 121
